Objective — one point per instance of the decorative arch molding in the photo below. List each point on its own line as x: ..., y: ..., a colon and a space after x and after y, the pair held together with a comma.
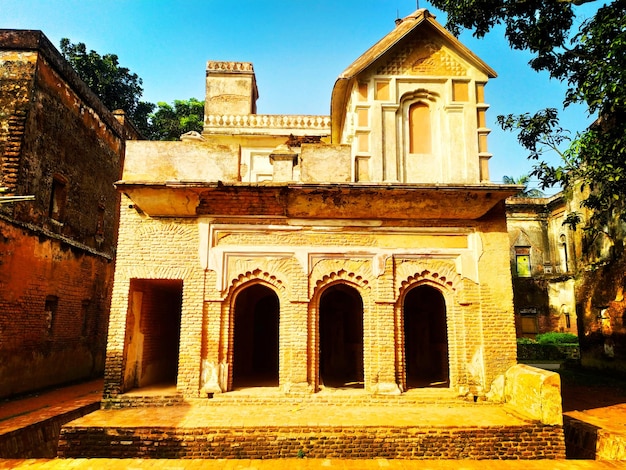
x: 358, y: 271
x: 255, y: 276
x: 442, y: 275
x: 342, y: 276
x: 421, y: 94
x: 283, y: 272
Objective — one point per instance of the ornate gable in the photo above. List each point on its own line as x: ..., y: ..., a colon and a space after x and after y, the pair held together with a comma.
x: 423, y: 56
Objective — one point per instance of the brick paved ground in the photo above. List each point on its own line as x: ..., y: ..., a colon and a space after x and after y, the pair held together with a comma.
x: 307, y: 464
x: 19, y: 412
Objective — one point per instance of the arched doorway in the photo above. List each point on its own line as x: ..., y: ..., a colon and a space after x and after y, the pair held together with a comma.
x: 341, y: 337
x: 255, y: 343
x: 425, y: 338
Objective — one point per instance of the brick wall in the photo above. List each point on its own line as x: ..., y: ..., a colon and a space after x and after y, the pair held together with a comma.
x: 36, y: 350
x: 506, y: 442
x: 480, y: 327
x: 54, y: 131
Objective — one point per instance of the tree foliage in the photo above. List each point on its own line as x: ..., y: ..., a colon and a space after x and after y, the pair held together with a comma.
x: 170, y: 122
x: 591, y: 59
x: 116, y: 86
x: 525, y: 181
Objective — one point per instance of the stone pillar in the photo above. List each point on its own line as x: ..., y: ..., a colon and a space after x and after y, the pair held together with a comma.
x: 212, y: 370
x: 390, y: 146
x: 115, y: 363
x: 293, y: 348
x: 383, y: 380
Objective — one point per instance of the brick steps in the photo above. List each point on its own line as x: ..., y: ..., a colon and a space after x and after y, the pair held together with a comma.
x: 271, y: 397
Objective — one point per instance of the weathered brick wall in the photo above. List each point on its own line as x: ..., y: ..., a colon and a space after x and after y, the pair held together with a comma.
x: 37, y: 351
x: 507, y: 442
x: 157, y: 249
x: 53, y: 127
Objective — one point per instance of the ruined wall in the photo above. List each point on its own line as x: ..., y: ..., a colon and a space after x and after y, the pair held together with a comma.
x: 58, y: 143
x: 602, y: 313
x: 43, y: 344
x: 544, y: 295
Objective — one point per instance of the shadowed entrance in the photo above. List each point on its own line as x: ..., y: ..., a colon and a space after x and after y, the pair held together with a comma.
x: 153, y: 332
x: 341, y: 337
x: 425, y: 338
x: 255, y: 356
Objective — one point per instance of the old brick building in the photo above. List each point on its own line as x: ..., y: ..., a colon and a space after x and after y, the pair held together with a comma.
x: 59, y: 144
x: 545, y: 257
x: 364, y: 249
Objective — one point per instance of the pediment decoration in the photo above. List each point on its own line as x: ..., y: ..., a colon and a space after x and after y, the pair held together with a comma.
x: 423, y: 57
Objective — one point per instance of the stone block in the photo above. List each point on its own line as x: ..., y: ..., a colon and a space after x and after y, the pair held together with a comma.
x: 320, y: 163
x: 534, y: 392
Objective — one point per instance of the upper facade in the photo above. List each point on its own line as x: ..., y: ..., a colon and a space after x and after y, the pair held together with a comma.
x: 414, y: 85
x: 410, y: 110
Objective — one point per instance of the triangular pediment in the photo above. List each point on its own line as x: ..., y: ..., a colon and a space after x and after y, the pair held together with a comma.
x: 422, y: 56
x: 418, y: 46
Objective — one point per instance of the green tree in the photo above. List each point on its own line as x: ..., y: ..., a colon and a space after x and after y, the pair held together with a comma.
x: 523, y: 180
x: 591, y: 59
x: 116, y: 86
x: 170, y: 122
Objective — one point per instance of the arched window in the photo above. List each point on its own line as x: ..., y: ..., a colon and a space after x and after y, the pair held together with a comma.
x: 419, y: 128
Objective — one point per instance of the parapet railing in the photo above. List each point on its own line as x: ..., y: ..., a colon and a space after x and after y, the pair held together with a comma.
x: 268, y: 121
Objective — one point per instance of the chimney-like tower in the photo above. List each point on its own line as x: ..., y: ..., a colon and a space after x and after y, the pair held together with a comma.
x: 230, y: 88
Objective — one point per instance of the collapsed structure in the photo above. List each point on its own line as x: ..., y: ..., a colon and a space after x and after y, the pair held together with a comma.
x: 365, y: 249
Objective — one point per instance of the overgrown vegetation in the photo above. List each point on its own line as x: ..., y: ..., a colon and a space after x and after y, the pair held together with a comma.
x: 590, y: 56
x: 552, y: 337
x: 119, y: 88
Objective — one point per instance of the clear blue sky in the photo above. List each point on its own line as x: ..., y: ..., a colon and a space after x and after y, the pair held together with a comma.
x: 298, y: 49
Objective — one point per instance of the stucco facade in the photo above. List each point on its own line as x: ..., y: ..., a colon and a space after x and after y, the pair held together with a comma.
x: 61, y: 146
x: 545, y: 257
x: 365, y: 249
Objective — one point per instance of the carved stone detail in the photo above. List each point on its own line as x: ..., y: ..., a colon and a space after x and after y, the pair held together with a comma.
x: 423, y: 57
x: 229, y: 66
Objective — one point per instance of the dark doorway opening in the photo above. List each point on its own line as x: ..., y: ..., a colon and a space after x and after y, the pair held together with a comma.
x: 153, y: 332
x: 341, y: 337
x: 255, y: 351
x: 425, y: 338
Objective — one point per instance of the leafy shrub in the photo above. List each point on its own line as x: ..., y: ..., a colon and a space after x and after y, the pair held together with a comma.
x: 526, y: 341
x: 557, y: 338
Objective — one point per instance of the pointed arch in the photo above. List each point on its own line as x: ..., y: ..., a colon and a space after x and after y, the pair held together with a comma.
x: 340, y: 338
x: 254, y: 336
x: 256, y: 275
x: 344, y: 365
